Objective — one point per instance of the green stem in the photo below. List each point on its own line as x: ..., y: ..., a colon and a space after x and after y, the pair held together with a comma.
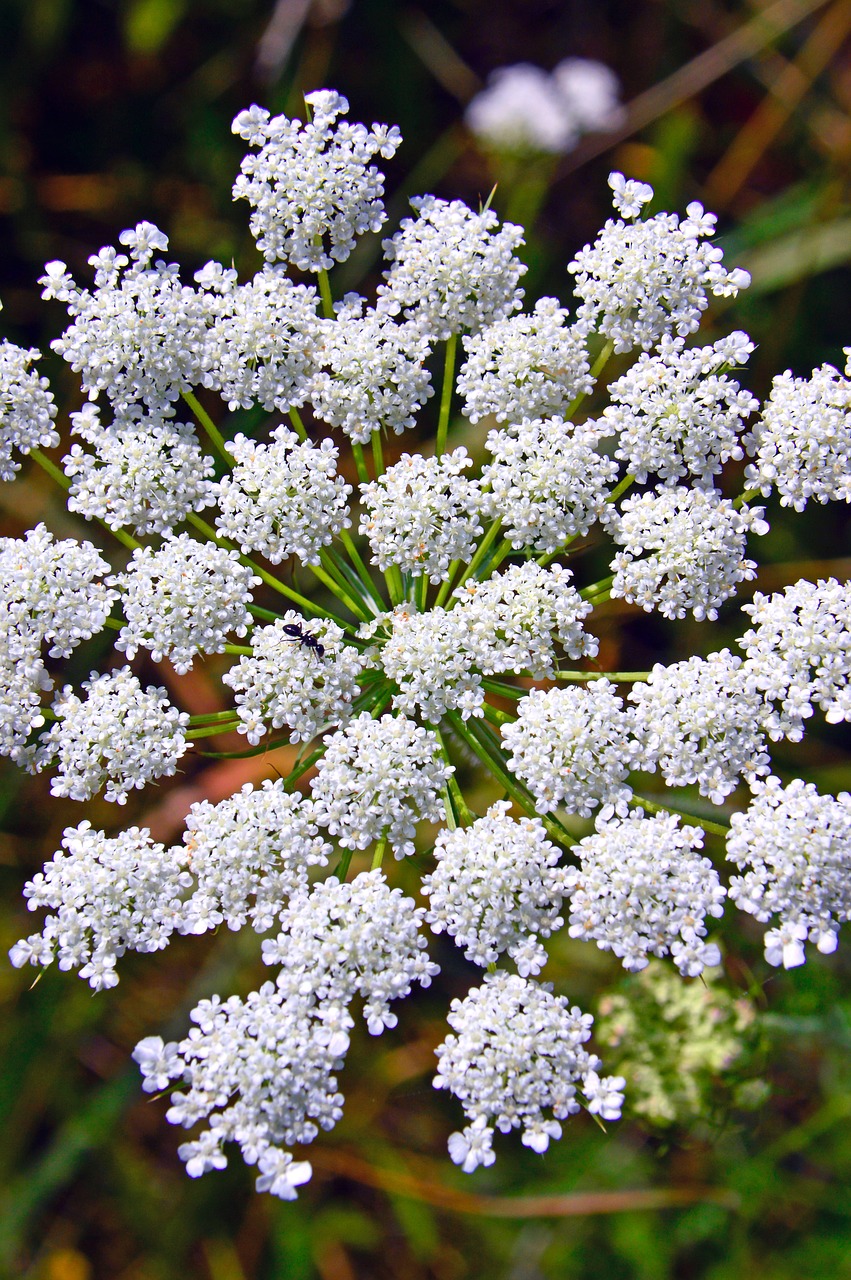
x: 494, y: 716
x: 298, y: 426
x: 239, y: 650
x: 422, y: 593
x: 360, y: 462
x: 621, y: 488
x: 616, y: 677
x: 360, y: 568
x: 325, y: 293
x: 446, y: 393
x: 598, y: 591
x: 216, y: 438
x: 343, y: 865
x: 328, y: 573
x: 746, y: 497
x: 378, y: 856
x: 377, y: 453
x: 210, y: 717
x: 271, y: 581
x: 446, y: 586
x: 492, y: 758
x: 457, y: 811
x: 214, y: 730
x: 715, y: 828
x: 61, y: 479
x: 596, y: 369
x: 481, y: 552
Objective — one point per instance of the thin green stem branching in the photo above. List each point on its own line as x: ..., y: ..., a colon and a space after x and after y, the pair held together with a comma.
x: 446, y: 393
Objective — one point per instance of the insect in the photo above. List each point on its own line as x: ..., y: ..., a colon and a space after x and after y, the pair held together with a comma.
x: 295, y: 632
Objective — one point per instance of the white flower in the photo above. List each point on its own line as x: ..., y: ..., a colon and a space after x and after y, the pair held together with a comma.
x: 119, y: 737
x: 451, y: 269
x: 701, y: 721
x: 373, y: 372
x: 183, y: 599
x: 377, y: 780
x: 286, y: 682
x: 641, y: 890
x: 525, y: 366
x: 352, y: 939
x: 572, y: 747
x: 794, y: 846
x: 524, y: 108
x: 27, y: 408
x: 547, y: 482
x: 311, y: 186
x: 145, y: 474
x: 799, y: 653
x: 422, y: 514
x: 518, y: 1054
x: 676, y: 412
x: 109, y: 896
x: 605, y: 1097
x: 641, y: 280
x: 508, y: 623
x: 283, y: 498
x: 696, y: 540
x: 263, y: 342
x: 802, y: 442
x: 249, y: 854
x: 140, y: 337
x: 497, y: 888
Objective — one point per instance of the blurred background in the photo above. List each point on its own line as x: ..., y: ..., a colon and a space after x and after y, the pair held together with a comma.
x: 115, y: 112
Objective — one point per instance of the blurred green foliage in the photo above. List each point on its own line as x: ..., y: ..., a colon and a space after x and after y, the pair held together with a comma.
x: 116, y: 110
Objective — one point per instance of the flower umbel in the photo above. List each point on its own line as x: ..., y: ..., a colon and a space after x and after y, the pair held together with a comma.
x: 419, y: 680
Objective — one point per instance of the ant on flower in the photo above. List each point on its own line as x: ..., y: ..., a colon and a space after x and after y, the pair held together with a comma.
x: 295, y: 632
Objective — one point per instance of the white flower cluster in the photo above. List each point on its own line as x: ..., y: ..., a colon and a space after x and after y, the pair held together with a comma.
x: 518, y: 1055
x: 676, y: 412
x: 145, y: 474
x: 283, y: 498
x: 352, y: 939
x: 338, y: 942
x: 377, y: 780
x: 505, y: 624
x: 451, y: 269
x: 289, y: 682
x: 51, y: 597
x: 795, y: 848
x: 118, y: 737
x: 497, y: 887
x: 311, y: 185
x: 799, y: 653
x: 471, y: 616
x: 263, y: 339
x: 248, y: 855
x: 696, y: 540
x: 641, y: 889
x: 525, y: 366
x: 182, y: 599
x: 641, y: 280
x: 802, y: 441
x: 373, y: 373
x: 422, y: 514
x: 701, y: 721
x: 548, y: 481
x: 109, y: 896
x: 526, y: 109
x: 140, y: 337
x: 27, y: 408
x: 572, y: 748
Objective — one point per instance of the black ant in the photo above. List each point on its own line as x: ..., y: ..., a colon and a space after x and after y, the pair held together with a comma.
x: 295, y: 632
